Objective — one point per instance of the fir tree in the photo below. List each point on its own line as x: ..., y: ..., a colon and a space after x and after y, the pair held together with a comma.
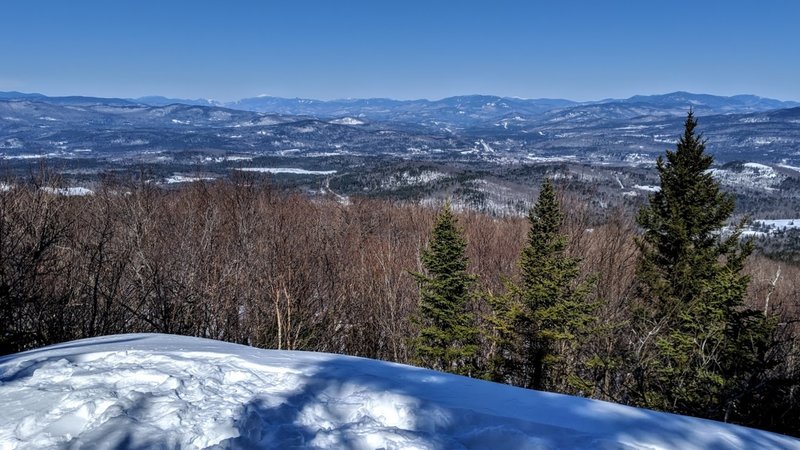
x: 539, y: 322
x: 448, y: 336
x: 698, y: 345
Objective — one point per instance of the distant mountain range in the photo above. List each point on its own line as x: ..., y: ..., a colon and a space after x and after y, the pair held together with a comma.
x: 67, y: 100
x: 466, y: 127
x: 461, y: 110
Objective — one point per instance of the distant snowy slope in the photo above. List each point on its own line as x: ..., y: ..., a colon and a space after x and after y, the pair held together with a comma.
x: 161, y: 391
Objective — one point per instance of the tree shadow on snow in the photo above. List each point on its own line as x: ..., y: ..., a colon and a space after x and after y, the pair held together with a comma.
x: 345, y: 403
x: 352, y: 404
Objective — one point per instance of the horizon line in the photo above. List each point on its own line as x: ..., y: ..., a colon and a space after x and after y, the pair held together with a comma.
x: 414, y: 99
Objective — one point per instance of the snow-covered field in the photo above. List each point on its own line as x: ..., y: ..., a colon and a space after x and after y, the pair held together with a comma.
x: 175, y: 178
x: 763, y: 227
x: 290, y: 170
x: 778, y: 224
x: 347, y: 121
x: 647, y: 188
x: 161, y: 391
x: 70, y: 191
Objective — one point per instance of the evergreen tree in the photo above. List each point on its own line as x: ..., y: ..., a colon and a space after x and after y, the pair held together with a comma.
x: 448, y: 336
x: 539, y: 323
x: 698, y: 346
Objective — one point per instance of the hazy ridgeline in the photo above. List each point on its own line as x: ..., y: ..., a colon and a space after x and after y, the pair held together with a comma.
x: 242, y: 262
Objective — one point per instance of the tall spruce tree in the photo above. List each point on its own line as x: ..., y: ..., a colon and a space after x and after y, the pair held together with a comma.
x: 448, y: 335
x: 699, y: 348
x: 539, y: 322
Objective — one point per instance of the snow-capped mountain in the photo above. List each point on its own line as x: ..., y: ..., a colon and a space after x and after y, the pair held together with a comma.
x: 163, y: 391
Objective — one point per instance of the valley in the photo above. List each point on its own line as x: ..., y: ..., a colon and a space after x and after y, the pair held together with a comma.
x: 485, y: 153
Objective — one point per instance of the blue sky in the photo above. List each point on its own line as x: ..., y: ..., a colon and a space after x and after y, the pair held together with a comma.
x: 582, y: 50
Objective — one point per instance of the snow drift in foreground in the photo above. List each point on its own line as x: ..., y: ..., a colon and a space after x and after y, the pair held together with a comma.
x: 162, y: 391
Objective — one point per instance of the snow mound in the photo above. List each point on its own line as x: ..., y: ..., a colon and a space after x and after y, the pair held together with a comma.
x: 162, y: 391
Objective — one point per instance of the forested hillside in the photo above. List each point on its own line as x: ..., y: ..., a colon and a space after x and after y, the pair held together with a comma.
x: 242, y: 262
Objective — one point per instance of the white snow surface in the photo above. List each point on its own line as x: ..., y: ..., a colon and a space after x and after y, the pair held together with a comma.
x: 291, y: 170
x: 406, y: 178
x: 785, y: 166
x: 752, y: 175
x: 779, y: 224
x: 163, y: 391
x: 175, y: 178
x: 759, y: 167
x: 69, y: 192
x: 347, y: 121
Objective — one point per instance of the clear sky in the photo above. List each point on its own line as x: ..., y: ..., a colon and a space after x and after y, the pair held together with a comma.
x: 581, y: 50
